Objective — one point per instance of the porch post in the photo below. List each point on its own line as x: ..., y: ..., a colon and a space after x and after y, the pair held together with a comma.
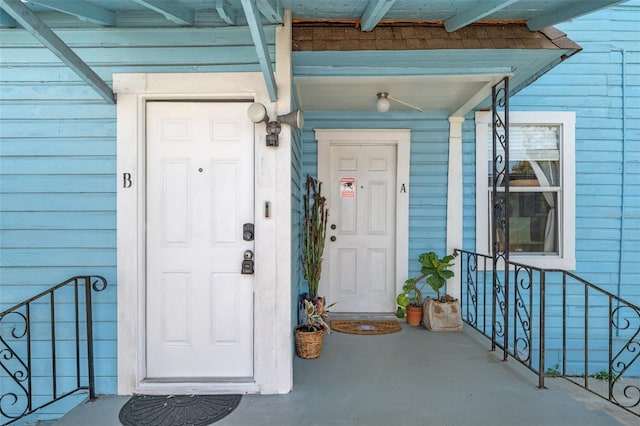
x: 454, y: 199
x: 500, y: 214
x: 280, y: 365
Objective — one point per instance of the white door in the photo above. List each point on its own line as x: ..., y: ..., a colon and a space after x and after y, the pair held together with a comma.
x: 361, y: 239
x: 200, y: 192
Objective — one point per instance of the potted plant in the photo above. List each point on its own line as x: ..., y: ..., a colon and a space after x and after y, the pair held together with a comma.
x: 314, y: 230
x: 435, y: 273
x: 310, y: 336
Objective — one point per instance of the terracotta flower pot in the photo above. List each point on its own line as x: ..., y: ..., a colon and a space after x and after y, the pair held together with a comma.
x: 414, y: 315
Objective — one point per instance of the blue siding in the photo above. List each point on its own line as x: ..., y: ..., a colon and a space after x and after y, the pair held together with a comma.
x: 602, y: 85
x: 58, y: 156
x: 297, y: 191
x: 429, y: 168
x: 605, y: 93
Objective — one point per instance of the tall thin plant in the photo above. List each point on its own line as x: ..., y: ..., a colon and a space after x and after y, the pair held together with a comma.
x: 314, y: 231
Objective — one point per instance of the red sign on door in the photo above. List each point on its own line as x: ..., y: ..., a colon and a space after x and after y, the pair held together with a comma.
x: 347, y: 187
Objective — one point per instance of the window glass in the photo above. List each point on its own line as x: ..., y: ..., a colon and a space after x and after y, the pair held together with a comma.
x: 541, y: 187
x: 534, y: 164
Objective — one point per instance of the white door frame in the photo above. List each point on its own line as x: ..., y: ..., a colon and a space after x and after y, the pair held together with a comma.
x: 401, y: 138
x: 273, y: 371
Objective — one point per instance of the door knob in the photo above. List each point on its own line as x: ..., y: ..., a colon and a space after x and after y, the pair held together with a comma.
x: 333, y: 238
x: 333, y: 226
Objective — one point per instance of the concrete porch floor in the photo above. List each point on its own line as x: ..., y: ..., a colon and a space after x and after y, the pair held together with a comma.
x: 411, y: 378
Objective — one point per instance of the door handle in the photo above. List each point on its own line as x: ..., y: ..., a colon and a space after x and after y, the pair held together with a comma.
x: 333, y: 238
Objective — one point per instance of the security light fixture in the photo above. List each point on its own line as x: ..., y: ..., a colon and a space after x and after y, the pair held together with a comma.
x: 258, y: 114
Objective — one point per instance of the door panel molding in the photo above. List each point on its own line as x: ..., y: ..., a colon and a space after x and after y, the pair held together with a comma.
x: 401, y: 138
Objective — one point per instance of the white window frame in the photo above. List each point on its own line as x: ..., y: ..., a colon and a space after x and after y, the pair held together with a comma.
x: 566, y: 120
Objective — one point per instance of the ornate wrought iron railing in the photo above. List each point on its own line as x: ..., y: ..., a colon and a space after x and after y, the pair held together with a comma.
x: 46, y: 348
x: 556, y: 324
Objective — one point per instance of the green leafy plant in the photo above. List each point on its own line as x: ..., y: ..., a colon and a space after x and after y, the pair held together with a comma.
x: 315, y: 320
x: 553, y: 371
x: 434, y: 272
x: 604, y: 375
x: 314, y: 231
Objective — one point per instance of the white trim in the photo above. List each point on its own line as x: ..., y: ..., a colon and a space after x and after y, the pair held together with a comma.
x: 566, y: 259
x: 194, y: 388
x: 272, y: 359
x: 454, y: 198
x: 402, y: 139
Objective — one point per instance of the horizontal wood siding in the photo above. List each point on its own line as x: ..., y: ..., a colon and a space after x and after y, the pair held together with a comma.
x: 596, y: 86
x: 428, y: 177
x: 602, y: 85
x: 297, y: 190
x: 58, y: 155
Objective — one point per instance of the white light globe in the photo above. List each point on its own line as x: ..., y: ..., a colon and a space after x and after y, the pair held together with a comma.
x: 383, y: 104
x: 256, y: 112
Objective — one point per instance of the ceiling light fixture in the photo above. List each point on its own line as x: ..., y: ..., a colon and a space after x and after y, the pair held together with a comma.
x: 258, y: 113
x: 383, y: 104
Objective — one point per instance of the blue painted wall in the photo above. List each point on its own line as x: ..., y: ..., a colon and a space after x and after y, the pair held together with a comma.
x: 58, y: 155
x: 602, y: 85
x: 428, y: 168
x: 297, y: 212
x: 605, y: 94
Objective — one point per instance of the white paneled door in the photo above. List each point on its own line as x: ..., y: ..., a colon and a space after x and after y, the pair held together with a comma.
x: 200, y: 192
x: 361, y: 239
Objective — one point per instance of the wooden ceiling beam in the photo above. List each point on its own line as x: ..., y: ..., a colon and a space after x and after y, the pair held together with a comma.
x: 373, y: 14
x: 271, y: 10
x: 259, y: 40
x: 80, y: 9
x: 475, y: 13
x: 227, y: 14
x: 170, y: 10
x: 30, y: 22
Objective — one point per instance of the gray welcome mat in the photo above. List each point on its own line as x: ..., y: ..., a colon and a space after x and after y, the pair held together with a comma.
x: 177, y: 410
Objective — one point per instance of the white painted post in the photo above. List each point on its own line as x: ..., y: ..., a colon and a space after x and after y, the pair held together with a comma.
x: 454, y: 200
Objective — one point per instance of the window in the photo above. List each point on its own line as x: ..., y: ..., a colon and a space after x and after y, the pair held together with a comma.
x: 541, y: 187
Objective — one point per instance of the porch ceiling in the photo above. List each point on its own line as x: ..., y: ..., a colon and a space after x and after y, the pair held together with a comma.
x: 364, y: 13
x: 427, y: 91
x: 422, y: 67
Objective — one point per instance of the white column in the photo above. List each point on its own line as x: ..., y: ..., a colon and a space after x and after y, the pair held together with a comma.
x: 454, y: 200
x: 283, y: 342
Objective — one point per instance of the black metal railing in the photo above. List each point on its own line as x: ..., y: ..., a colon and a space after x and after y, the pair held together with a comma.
x: 558, y: 325
x: 46, y: 348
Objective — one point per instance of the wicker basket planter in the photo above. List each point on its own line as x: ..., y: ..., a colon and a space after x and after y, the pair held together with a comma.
x: 308, y: 343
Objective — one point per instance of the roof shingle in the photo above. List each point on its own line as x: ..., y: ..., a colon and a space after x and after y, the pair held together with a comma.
x: 346, y: 37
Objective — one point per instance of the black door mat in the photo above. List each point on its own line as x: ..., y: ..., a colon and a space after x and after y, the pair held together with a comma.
x: 177, y: 410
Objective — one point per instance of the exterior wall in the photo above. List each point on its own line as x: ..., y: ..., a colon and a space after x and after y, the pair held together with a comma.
x: 605, y: 95
x: 602, y: 85
x: 58, y: 156
x: 428, y: 169
x: 297, y: 212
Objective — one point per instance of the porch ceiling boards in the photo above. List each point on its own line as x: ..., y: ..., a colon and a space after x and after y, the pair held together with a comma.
x: 338, y: 67
x: 367, y: 16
